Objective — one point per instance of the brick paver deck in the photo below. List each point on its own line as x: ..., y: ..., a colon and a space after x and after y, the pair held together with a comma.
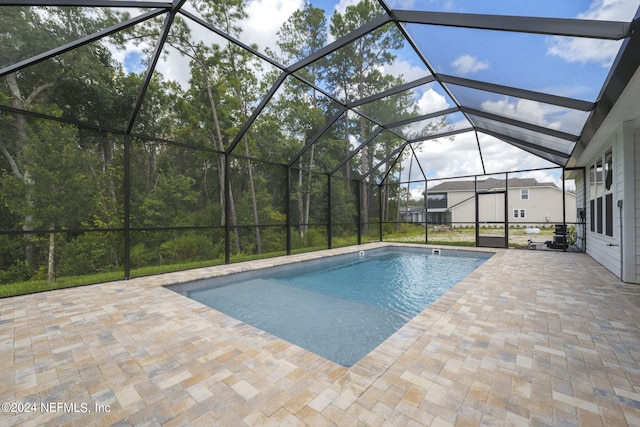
x: 529, y: 338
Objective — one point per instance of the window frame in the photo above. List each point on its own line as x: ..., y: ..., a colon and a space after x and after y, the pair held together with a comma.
x: 601, y: 191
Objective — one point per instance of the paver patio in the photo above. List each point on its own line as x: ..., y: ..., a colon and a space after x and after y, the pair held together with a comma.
x: 529, y: 338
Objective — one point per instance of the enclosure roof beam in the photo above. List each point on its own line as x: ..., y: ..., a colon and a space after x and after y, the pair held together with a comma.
x: 92, y: 3
x: 164, y: 34
x: 484, y: 170
x: 256, y: 112
x: 357, y: 150
x: 392, y: 91
x: 560, y: 101
x: 609, y: 30
x: 393, y: 165
x: 424, y: 176
x: 317, y: 136
x: 403, y: 145
x: 624, y: 67
x: 522, y: 125
x: 231, y: 39
x: 527, y: 146
x: 341, y: 42
x: 440, y: 135
x: 80, y: 42
x: 423, y: 117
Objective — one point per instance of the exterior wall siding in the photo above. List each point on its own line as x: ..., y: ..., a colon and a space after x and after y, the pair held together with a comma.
x: 606, y: 249
x: 543, y: 202
x: 636, y: 180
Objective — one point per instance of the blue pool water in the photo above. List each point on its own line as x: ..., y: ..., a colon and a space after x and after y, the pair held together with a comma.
x: 339, y: 308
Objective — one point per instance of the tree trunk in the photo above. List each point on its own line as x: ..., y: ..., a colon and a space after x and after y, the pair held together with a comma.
x: 364, y: 206
x: 300, y: 201
x: 21, y: 134
x: 234, y: 221
x: 51, y: 261
x: 308, y: 201
x: 347, y: 172
x: 398, y: 196
x: 406, y: 209
x: 256, y: 221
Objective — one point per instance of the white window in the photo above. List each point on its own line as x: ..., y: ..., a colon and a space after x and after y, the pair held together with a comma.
x: 601, y: 195
x: 524, y: 194
x: 519, y: 213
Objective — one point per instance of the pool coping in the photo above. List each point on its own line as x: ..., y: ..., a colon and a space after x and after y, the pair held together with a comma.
x: 530, y: 337
x: 372, y: 366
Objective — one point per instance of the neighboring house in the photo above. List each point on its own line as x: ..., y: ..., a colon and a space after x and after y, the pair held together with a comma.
x: 413, y: 214
x: 530, y: 202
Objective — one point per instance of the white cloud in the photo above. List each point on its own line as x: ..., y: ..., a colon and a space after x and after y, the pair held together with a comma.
x: 529, y: 111
x: 584, y: 51
x: 446, y: 158
x: 467, y: 64
x: 432, y: 101
x: 498, y: 156
x: 404, y: 68
x: 611, y: 10
x: 539, y: 114
x: 416, y: 191
x: 603, y: 52
x: 265, y: 17
x: 342, y: 6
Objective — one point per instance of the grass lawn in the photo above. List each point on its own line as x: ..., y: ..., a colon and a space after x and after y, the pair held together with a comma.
x: 459, y: 236
x: 466, y: 236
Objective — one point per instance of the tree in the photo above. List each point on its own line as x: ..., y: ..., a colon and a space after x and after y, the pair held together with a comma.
x: 56, y: 196
x: 301, y: 35
x: 40, y: 87
x: 355, y: 69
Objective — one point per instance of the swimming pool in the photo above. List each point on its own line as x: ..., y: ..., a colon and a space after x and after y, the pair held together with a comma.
x: 339, y: 307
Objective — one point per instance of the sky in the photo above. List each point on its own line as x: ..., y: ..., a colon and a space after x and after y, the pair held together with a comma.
x: 563, y: 66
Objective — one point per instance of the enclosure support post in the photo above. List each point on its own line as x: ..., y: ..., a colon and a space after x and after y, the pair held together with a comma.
x: 329, y: 215
x: 475, y: 190
x: 426, y: 213
x: 506, y: 210
x: 127, y: 208
x: 287, y: 208
x: 380, y: 210
x: 227, y: 210
x: 359, y: 209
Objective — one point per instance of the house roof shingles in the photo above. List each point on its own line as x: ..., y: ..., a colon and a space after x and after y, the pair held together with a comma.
x: 489, y: 184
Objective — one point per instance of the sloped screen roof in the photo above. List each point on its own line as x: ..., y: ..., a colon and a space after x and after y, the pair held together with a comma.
x: 496, y: 86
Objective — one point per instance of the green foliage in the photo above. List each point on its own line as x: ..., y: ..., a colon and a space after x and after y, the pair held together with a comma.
x: 72, y: 179
x: 189, y: 247
x: 90, y: 253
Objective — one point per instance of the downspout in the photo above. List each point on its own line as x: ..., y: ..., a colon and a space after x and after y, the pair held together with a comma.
x: 585, y: 177
x: 564, y: 214
x: 620, y: 203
